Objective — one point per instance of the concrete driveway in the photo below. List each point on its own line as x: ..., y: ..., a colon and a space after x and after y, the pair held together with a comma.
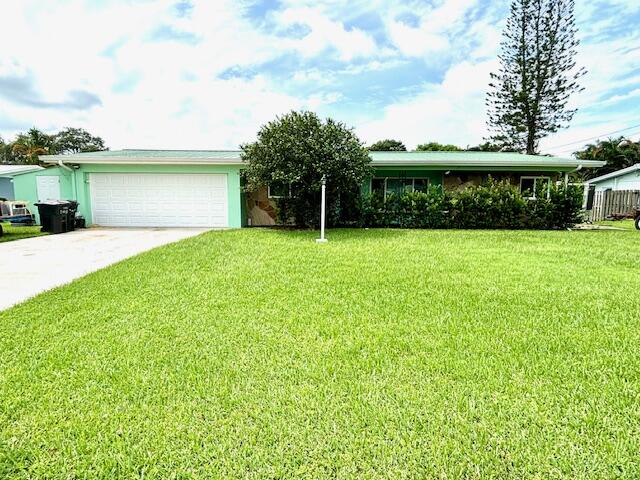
x: 33, y: 265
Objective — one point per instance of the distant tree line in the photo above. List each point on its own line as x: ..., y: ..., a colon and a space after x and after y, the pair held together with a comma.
x: 390, y: 145
x: 27, y: 146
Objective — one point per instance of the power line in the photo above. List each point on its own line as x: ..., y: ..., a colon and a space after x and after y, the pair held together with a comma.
x: 632, y: 134
x: 597, y: 136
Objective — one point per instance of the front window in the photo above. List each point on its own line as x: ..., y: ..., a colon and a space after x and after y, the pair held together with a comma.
x: 279, y: 190
x: 398, y: 186
x: 535, y: 187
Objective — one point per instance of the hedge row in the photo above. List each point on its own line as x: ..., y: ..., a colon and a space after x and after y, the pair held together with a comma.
x: 493, y: 205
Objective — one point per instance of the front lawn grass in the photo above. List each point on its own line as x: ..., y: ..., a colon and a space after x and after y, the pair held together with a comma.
x: 18, y: 232
x: 382, y: 354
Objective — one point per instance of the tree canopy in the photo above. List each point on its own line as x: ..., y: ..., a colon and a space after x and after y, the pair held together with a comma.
x: 77, y: 140
x: 299, y: 149
x: 388, y: 145
x: 617, y: 152
x: 27, y: 146
x: 528, y: 96
x: 437, y: 147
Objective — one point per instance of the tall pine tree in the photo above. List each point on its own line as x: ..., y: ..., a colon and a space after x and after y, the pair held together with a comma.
x: 529, y: 94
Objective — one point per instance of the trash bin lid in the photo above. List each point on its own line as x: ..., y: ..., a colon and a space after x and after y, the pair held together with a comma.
x: 52, y: 202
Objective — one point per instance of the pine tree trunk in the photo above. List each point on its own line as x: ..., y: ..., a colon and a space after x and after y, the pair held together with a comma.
x: 531, y: 140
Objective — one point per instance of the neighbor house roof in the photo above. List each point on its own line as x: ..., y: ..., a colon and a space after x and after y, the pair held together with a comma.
x: 12, y: 170
x: 615, y: 174
x: 397, y: 159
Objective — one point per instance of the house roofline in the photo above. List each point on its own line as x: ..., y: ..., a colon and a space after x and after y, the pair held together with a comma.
x: 615, y: 174
x: 395, y: 159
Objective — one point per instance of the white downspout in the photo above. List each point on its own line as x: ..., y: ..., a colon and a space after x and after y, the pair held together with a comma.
x: 67, y: 168
x: 73, y: 178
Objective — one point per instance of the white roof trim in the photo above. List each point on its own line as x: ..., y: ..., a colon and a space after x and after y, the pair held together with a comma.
x: 12, y: 170
x: 615, y: 174
x: 544, y: 162
x: 444, y: 161
x: 143, y: 160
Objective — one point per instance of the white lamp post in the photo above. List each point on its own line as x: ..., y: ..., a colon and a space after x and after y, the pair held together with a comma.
x: 322, y: 210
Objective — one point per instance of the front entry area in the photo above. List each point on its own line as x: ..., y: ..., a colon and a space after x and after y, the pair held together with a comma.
x: 158, y: 200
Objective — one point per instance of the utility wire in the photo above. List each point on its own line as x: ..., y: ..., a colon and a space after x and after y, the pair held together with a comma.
x: 570, y: 150
x: 597, y: 136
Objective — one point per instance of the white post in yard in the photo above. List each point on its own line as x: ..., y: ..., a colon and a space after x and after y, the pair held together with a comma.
x: 322, y: 210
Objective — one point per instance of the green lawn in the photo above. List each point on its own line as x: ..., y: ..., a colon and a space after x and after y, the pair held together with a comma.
x: 382, y: 354
x: 17, y: 232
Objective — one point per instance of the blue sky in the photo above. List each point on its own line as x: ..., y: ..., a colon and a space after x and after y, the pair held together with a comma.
x: 207, y: 74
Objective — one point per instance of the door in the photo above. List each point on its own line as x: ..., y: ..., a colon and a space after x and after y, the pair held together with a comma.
x: 48, y: 187
x: 159, y: 200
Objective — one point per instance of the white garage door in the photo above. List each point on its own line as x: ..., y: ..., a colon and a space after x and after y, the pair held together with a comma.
x: 158, y: 200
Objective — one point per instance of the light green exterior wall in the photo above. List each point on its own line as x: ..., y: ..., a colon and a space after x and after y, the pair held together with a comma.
x: 24, y: 186
x: 75, y: 185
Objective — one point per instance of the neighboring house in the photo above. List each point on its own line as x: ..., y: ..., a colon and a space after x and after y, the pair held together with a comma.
x: 7, y: 175
x: 203, y: 188
x: 625, y: 179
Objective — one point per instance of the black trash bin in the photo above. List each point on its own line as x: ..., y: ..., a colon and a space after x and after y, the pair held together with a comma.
x: 54, y: 215
x: 71, y: 215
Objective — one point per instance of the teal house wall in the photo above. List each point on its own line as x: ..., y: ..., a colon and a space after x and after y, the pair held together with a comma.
x: 6, y: 188
x: 24, y: 186
x: 76, y: 184
x: 83, y: 183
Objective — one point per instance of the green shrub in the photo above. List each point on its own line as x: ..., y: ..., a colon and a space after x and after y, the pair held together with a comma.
x: 493, y: 205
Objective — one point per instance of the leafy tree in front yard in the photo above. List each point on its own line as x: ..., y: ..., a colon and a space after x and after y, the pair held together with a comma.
x: 388, y: 145
x: 297, y: 150
x: 617, y: 152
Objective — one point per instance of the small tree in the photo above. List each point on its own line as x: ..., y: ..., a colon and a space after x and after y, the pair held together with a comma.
x: 388, y: 145
x: 437, y: 147
x: 529, y: 94
x: 297, y: 150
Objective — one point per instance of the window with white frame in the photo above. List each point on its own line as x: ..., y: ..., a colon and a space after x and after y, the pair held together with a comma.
x: 532, y: 187
x: 279, y: 190
x: 398, y: 186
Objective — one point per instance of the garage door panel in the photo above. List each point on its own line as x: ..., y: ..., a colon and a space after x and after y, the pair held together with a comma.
x: 128, y: 199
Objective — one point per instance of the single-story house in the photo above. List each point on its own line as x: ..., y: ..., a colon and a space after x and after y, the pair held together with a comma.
x: 7, y: 175
x: 624, y: 179
x: 203, y: 188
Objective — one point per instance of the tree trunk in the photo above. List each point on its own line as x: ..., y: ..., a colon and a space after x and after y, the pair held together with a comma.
x: 531, y: 140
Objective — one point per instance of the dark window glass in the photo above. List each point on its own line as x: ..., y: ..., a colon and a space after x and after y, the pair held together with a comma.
x: 377, y: 186
x: 420, y: 184
x: 528, y: 186
x: 279, y: 189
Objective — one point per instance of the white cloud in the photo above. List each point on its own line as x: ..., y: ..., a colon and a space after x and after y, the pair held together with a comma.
x: 450, y: 112
x: 176, y: 98
x: 170, y: 94
x: 325, y: 33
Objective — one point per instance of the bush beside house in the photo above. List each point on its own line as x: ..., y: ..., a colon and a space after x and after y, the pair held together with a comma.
x: 494, y: 205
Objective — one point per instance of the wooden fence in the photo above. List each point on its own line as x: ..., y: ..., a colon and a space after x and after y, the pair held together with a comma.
x: 613, y: 202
